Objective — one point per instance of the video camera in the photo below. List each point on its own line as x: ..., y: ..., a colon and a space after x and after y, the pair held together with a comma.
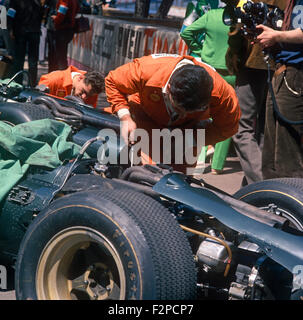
x: 249, y: 14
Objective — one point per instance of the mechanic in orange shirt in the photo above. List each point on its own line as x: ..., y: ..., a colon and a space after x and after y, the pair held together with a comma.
x: 170, y: 91
x: 72, y: 81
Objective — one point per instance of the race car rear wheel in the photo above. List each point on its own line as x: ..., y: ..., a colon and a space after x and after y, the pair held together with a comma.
x: 283, y: 197
x: 116, y: 244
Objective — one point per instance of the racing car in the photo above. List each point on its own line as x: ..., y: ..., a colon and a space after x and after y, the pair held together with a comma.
x: 90, y: 230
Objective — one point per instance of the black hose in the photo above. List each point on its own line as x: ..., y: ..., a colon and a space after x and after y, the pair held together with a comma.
x: 52, y: 108
x: 57, y: 109
x: 125, y: 175
x: 70, y: 113
x: 141, y: 177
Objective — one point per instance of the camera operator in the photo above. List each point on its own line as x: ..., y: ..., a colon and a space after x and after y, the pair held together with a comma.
x: 283, y: 140
x: 246, y: 61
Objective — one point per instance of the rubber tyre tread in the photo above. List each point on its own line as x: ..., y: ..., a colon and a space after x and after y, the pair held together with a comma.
x: 294, y: 184
x: 35, y: 112
x: 171, y: 258
x: 170, y: 249
x: 290, y: 196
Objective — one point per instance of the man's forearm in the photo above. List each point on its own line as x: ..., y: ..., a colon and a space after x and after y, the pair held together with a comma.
x: 291, y: 36
x: 269, y: 36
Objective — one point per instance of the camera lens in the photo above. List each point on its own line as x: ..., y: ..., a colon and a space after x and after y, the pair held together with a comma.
x: 259, y: 6
x: 247, y: 7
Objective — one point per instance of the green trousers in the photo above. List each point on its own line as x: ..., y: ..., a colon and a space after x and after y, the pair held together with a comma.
x: 220, y: 154
x: 221, y: 148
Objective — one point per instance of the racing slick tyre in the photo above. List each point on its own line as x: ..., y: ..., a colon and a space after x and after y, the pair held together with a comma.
x: 282, y: 196
x: 102, y: 244
x: 23, y: 112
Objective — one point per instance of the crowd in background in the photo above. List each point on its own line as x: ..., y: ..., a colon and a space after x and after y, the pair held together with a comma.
x: 268, y: 145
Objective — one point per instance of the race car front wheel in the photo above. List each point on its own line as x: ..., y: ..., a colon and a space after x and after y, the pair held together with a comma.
x: 282, y: 196
x: 101, y: 245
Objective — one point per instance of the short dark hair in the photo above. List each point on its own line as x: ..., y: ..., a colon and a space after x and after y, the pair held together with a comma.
x: 96, y: 80
x: 191, y: 87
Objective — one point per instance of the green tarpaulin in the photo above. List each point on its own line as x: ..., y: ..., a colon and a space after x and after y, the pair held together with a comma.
x: 36, y: 143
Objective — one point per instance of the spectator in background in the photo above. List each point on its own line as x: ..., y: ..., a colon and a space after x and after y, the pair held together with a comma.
x: 72, y: 81
x: 247, y: 63
x: 50, y: 10
x: 24, y: 25
x: 212, y: 51
x: 283, y: 140
x: 63, y: 26
x: 9, y: 44
x: 7, y: 41
x: 195, y: 10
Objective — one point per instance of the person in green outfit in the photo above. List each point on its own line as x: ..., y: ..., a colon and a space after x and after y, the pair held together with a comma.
x: 194, y: 10
x: 212, y: 51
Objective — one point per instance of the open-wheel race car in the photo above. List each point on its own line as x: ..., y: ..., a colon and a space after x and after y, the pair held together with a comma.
x: 91, y: 230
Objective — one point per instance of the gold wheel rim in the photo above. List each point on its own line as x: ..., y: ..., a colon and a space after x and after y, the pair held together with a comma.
x: 80, y: 263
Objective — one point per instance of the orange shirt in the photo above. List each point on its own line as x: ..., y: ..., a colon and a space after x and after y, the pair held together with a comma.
x: 60, y: 84
x: 144, y: 79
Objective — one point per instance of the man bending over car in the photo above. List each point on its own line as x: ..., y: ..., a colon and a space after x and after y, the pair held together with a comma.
x: 170, y: 91
x: 75, y: 82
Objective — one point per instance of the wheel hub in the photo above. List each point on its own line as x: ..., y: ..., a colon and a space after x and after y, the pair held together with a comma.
x: 80, y: 264
x: 97, y: 282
